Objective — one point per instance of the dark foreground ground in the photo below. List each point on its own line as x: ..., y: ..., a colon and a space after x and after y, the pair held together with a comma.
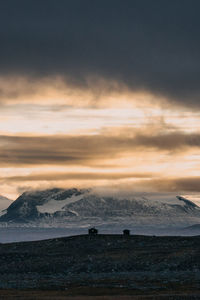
x: 60, y: 295
x: 104, y: 267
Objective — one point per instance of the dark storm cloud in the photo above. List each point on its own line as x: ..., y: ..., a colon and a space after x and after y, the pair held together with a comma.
x: 146, y: 45
x: 91, y: 150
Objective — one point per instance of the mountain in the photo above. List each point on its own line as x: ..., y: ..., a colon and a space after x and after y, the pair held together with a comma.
x: 4, y: 203
x: 67, y: 205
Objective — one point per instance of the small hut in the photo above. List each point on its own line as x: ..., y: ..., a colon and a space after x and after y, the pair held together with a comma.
x: 126, y: 232
x: 92, y: 231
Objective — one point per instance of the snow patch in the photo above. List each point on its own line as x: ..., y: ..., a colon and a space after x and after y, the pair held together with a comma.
x: 57, y: 205
x: 158, y: 199
x: 74, y: 212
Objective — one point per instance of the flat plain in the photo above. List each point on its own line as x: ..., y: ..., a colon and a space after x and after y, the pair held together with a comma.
x: 101, y: 267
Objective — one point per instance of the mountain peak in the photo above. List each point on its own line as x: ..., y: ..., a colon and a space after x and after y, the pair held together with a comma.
x: 187, y: 202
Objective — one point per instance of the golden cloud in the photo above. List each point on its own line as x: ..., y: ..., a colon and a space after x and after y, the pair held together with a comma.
x: 89, y: 149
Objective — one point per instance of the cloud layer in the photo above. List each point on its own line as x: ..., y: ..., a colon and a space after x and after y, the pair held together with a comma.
x: 97, y: 92
x: 89, y: 150
x: 145, y: 45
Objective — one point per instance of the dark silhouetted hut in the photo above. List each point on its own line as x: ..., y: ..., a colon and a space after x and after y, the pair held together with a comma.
x: 92, y: 231
x: 126, y: 232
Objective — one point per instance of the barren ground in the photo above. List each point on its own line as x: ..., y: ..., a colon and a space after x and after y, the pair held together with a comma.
x: 103, y: 267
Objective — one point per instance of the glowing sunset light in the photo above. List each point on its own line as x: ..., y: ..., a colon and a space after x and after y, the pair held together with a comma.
x: 89, y: 97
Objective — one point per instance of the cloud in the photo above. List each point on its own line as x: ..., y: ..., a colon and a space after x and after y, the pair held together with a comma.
x: 142, y: 45
x: 119, y: 183
x: 153, y: 184
x: 75, y: 176
x: 178, y: 185
x: 90, y: 150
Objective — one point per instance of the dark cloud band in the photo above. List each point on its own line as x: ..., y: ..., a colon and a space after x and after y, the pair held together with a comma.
x: 89, y: 150
x: 144, y: 181
x: 75, y: 176
x: 145, y: 45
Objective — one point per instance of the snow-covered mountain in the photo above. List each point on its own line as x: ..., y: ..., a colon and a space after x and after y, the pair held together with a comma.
x: 60, y: 205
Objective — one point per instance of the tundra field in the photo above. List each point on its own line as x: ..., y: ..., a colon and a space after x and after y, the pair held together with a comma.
x: 101, y: 266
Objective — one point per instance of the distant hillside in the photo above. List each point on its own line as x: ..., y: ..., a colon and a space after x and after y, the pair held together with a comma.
x: 195, y: 227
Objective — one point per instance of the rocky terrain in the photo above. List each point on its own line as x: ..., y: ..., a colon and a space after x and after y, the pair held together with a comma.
x: 103, y: 264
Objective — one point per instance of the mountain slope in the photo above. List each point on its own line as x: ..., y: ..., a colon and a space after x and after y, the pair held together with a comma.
x: 27, y: 207
x: 73, y: 204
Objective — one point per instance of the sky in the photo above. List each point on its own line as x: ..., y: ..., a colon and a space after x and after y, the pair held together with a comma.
x: 99, y: 93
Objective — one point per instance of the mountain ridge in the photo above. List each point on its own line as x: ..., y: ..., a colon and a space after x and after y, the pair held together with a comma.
x: 63, y: 205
